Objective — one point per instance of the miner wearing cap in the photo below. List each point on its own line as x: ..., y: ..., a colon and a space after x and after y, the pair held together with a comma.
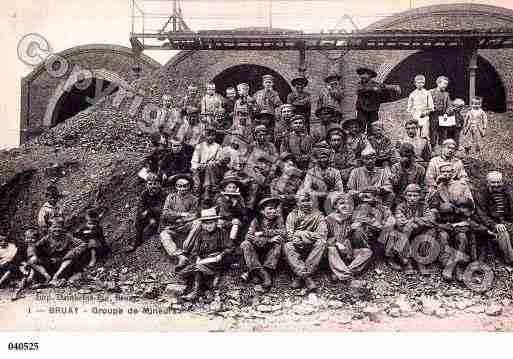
x: 331, y: 94
x: 231, y: 206
x: 421, y: 145
x: 148, y: 210
x: 326, y: 116
x: 413, y: 218
x: 407, y: 171
x: 212, y: 106
x: 58, y: 252
x: 321, y: 180
x: 298, y: 142
x: 495, y: 210
x: 287, y: 183
x: 175, y: 160
x: 207, y: 247
x: 383, y: 146
x: 262, y: 143
x: 284, y: 118
x: 345, y: 260
x: 454, y: 205
x: 373, y: 222
x: 178, y: 213
x: 356, y: 140
x: 267, y: 98
x: 196, y: 130
x: 49, y: 209
x: 441, y: 103
x: 369, y: 176
x: 262, y: 247
x: 447, y: 156
x: 306, y: 241
x: 267, y: 120
x: 300, y: 99
x: 164, y: 113
x: 341, y: 157
x: 229, y: 106
x: 371, y: 94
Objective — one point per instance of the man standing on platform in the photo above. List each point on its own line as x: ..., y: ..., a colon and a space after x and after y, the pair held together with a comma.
x: 301, y: 99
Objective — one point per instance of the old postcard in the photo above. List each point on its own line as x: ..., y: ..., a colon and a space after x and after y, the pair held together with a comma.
x: 263, y: 165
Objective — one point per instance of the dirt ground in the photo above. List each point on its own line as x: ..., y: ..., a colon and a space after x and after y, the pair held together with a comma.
x: 34, y: 314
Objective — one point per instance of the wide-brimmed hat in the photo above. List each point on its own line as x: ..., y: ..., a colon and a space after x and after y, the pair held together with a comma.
x: 267, y: 200
x: 332, y: 77
x: 366, y: 70
x: 208, y: 214
x: 349, y: 121
x: 231, y: 179
x: 333, y: 110
x: 299, y: 79
x: 185, y: 176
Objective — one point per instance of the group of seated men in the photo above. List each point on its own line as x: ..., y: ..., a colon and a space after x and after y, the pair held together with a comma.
x: 344, y: 193
x: 275, y: 184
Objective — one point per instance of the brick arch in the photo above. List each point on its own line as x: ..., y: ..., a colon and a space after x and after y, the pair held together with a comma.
x: 267, y: 61
x: 68, y: 84
x: 462, y: 9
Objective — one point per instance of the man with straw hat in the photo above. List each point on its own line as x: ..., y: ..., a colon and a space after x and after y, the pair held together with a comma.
x: 207, y: 247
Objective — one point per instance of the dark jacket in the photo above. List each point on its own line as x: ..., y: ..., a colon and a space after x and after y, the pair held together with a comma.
x: 487, y: 211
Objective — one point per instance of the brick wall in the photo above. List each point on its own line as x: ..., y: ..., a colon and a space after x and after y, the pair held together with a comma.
x: 39, y: 88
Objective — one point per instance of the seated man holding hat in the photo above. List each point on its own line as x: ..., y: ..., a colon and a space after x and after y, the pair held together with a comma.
x: 287, y: 183
x: 371, y: 94
x: 345, y: 260
x: 262, y: 247
x: 207, y: 248
x: 180, y: 210
x: 306, y: 241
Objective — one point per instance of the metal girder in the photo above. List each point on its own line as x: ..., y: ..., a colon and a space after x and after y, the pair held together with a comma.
x: 377, y: 40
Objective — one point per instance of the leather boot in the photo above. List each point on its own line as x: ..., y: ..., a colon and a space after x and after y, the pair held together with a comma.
x: 266, y: 278
x: 194, y: 293
x: 310, y: 284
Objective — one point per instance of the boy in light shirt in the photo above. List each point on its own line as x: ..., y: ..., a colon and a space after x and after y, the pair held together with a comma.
x: 420, y: 105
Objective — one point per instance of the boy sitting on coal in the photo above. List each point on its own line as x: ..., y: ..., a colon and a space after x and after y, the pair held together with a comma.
x: 58, y: 252
x: 148, y: 211
x: 264, y: 239
x: 345, y: 260
x: 207, y: 248
x: 92, y: 234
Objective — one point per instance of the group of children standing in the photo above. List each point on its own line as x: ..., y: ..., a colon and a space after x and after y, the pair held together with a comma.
x: 440, y: 118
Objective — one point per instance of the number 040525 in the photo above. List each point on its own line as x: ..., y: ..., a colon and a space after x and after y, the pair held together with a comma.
x: 23, y: 346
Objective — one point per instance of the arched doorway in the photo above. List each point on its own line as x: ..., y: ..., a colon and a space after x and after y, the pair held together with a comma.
x: 76, y: 100
x: 252, y: 75
x: 445, y: 62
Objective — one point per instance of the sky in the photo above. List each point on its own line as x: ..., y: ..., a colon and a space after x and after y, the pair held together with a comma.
x: 68, y: 23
